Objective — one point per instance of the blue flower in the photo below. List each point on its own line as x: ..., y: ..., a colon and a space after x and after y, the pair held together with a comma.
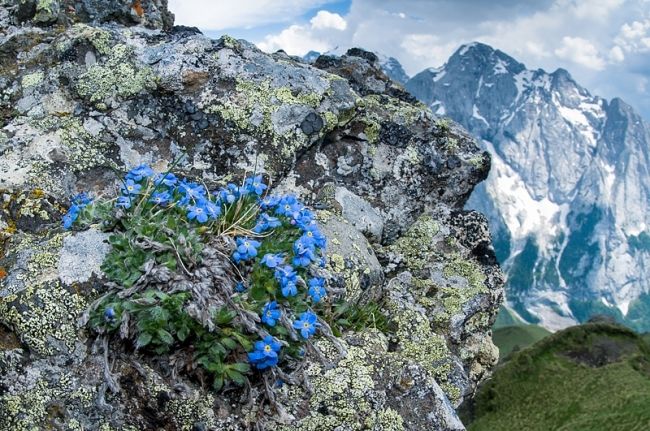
x: 269, y: 202
x: 303, y: 252
x: 212, y: 209
x: 70, y: 217
x: 160, y: 198
x: 303, y: 219
x: 246, y: 249
x: 289, y: 207
x: 289, y: 289
x: 272, y: 260
x: 81, y: 199
x: 124, y: 202
x: 271, y: 313
x: 229, y: 194
x: 266, y: 222
x: 240, y: 287
x: 255, y: 185
x: 317, y: 289
x: 168, y: 179
x: 265, y: 354
x: 109, y: 314
x: 137, y: 174
x: 197, y: 212
x: 307, y: 324
x: 130, y: 187
x: 191, y: 191
x: 312, y: 235
x: 285, y: 274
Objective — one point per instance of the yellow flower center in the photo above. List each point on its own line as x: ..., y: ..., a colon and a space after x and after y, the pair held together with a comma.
x: 305, y: 325
x: 310, y: 234
x: 267, y: 348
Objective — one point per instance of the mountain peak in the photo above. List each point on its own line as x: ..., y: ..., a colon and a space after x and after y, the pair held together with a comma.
x: 483, y: 57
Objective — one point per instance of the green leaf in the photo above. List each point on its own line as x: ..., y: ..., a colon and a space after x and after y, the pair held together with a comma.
x: 218, y: 383
x: 235, y: 376
x: 182, y: 333
x: 242, y: 367
x: 143, y: 340
x: 229, y: 343
x: 165, y: 336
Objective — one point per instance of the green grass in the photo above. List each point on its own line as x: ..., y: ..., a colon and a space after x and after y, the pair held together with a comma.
x: 591, y: 377
x: 517, y: 337
x: 505, y: 317
x: 646, y: 337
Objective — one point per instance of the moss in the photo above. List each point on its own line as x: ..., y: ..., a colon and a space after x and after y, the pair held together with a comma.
x: 118, y: 77
x: 32, y: 79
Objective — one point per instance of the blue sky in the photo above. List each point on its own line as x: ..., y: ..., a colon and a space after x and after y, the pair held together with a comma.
x: 605, y: 44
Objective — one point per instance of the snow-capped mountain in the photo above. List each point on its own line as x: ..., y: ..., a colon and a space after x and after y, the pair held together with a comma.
x: 393, y: 68
x: 568, y: 196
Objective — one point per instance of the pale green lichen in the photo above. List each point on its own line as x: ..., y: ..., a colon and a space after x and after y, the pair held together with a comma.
x: 99, y: 38
x: 397, y: 111
x: 29, y: 409
x: 37, y: 306
x: 346, y: 393
x: 416, y: 245
x: 418, y: 343
x: 252, y: 106
x: 118, y: 77
x: 477, y: 161
x: 185, y: 412
x: 32, y: 79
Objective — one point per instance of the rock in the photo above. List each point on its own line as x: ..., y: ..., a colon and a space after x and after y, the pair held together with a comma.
x: 91, y: 88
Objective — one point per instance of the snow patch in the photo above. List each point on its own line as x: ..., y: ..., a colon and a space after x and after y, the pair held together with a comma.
x: 478, y: 116
x: 524, y: 215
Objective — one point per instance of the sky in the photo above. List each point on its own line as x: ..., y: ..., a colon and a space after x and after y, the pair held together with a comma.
x: 604, y: 44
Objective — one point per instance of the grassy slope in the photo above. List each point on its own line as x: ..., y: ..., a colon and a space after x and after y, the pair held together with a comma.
x: 542, y: 388
x: 520, y: 336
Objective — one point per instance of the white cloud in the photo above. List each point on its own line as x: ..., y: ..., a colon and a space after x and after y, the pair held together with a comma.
x: 226, y: 14
x: 580, y: 51
x: 300, y: 39
x: 325, y: 20
x: 427, y: 48
x: 616, y: 54
x: 635, y: 36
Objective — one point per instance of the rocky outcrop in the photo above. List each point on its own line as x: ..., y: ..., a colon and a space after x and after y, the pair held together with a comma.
x: 90, y: 90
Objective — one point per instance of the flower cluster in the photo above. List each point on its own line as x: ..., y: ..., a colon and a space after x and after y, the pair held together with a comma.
x: 167, y: 219
x: 283, y: 269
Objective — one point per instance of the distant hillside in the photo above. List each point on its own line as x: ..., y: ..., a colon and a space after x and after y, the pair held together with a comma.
x: 517, y: 337
x: 590, y: 377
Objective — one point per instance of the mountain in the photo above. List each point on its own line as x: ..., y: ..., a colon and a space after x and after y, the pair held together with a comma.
x: 592, y: 377
x: 393, y: 68
x: 568, y: 195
